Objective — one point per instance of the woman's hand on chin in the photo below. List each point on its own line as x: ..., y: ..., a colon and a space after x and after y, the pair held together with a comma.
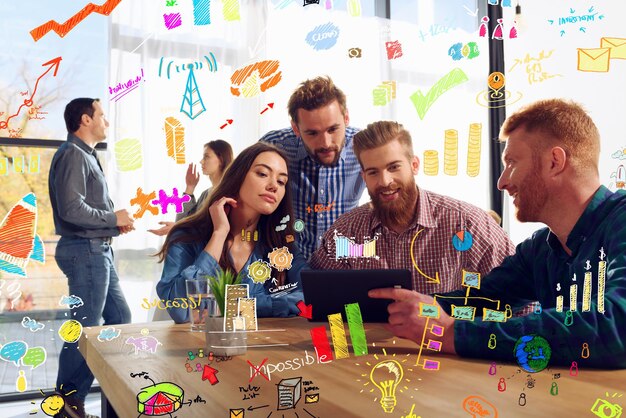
x: 219, y: 211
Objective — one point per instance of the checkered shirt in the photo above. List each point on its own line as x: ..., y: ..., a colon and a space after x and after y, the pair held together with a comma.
x: 438, y: 218
x: 320, y: 194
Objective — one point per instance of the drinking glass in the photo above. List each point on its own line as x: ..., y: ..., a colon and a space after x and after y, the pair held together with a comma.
x: 202, y: 302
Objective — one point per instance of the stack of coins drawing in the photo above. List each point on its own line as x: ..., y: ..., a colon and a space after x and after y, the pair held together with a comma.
x: 451, y: 152
x: 175, y: 139
x: 473, y: 149
x: 431, y: 162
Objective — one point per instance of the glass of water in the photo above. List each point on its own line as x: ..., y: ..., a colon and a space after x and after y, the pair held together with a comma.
x: 201, y: 303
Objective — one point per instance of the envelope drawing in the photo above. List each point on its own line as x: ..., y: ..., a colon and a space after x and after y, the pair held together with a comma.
x: 594, y: 59
x: 237, y: 413
x: 314, y: 398
x: 617, y: 45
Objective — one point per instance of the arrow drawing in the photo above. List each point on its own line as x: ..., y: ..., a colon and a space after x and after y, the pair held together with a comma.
x: 306, y: 311
x: 269, y: 106
x: 63, y: 29
x: 228, y: 122
x: 209, y: 374
x: 53, y: 63
x: 469, y: 12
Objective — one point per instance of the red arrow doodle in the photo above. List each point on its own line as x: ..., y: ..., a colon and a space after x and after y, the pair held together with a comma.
x: 209, y: 374
x: 269, y: 106
x: 228, y: 122
x: 53, y: 63
x: 306, y: 311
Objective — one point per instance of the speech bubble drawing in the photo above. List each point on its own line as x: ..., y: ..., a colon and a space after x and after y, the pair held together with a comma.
x: 478, y: 407
x: 13, y: 351
x: 70, y: 331
x: 34, y: 357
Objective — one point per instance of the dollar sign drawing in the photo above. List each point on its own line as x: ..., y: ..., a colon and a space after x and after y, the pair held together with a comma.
x: 558, y: 287
x: 588, y: 266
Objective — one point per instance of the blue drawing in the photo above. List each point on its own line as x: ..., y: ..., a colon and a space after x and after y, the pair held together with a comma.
x: 323, y: 36
x: 192, y: 104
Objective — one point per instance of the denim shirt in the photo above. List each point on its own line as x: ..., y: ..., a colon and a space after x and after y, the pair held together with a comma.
x: 189, y: 261
x: 541, y: 270
x: 79, y: 195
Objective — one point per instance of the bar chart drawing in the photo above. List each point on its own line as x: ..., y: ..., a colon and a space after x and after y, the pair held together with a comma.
x: 587, y: 288
x: 347, y: 248
x: 338, y: 335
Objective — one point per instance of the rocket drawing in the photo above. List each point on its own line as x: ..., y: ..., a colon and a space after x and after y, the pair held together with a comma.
x: 19, y: 242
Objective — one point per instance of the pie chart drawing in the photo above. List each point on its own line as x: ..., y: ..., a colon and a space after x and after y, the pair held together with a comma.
x: 160, y: 399
x: 462, y: 240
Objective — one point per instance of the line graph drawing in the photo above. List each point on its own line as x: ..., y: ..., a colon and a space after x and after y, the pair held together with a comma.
x: 63, y: 29
x: 53, y: 64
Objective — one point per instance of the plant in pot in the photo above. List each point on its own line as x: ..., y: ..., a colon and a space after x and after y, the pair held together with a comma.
x: 220, y: 338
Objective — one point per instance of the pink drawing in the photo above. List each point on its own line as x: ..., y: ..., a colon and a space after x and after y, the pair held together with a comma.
x: 144, y: 344
x: 172, y: 20
x: 482, y: 31
x: 164, y: 200
x: 498, y: 31
x: 513, y: 31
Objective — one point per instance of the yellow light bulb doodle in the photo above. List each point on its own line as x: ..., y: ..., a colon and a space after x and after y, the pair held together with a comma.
x: 70, y: 331
x: 436, y: 279
x: 386, y: 376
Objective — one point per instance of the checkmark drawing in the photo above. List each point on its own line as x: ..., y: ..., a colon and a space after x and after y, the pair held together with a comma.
x: 423, y: 102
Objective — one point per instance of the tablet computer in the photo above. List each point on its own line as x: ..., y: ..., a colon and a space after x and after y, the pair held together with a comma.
x: 329, y: 290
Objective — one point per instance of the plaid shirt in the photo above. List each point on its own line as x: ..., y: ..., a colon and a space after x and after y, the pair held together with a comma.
x: 438, y: 218
x: 541, y: 270
x: 320, y: 194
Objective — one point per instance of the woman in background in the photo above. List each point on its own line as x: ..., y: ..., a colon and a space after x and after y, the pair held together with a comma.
x: 252, y: 196
x: 217, y: 157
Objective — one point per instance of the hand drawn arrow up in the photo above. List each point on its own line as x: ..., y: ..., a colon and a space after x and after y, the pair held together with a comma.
x: 53, y: 63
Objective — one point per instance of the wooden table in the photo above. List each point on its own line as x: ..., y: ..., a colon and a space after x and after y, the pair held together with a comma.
x: 343, y: 386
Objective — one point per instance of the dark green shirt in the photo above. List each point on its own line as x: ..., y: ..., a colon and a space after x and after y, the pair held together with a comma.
x: 541, y: 270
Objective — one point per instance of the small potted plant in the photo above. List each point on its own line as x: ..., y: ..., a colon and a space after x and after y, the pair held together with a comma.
x: 220, y: 341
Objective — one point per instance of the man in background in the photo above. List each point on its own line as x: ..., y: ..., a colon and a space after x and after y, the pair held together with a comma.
x: 434, y: 236
x: 85, y: 219
x: 323, y: 170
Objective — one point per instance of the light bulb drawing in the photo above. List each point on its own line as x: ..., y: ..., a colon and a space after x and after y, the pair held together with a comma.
x: 386, y: 376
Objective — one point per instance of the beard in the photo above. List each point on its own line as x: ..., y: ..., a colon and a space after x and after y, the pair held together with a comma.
x: 534, y: 198
x: 398, y: 212
x: 315, y: 153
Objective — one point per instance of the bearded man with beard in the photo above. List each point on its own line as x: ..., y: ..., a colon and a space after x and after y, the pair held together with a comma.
x: 551, y: 171
x: 402, y: 216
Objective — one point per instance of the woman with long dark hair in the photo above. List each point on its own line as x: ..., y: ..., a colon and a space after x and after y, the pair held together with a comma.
x: 253, y: 195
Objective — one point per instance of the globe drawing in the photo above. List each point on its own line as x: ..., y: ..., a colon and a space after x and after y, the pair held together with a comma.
x: 532, y: 353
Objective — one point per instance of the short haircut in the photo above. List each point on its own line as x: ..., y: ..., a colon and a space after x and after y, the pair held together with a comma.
x: 75, y: 110
x: 313, y: 94
x: 381, y: 133
x: 565, y: 124
x: 223, y: 151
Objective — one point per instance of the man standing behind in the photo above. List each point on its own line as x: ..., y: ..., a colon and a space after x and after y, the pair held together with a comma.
x: 323, y: 170
x: 85, y: 220
x: 413, y: 228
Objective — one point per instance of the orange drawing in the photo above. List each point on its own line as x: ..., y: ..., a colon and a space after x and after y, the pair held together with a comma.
x: 143, y: 201
x: 63, y: 29
x: 477, y: 407
x: 19, y: 241
x: 253, y: 79
x: 175, y: 139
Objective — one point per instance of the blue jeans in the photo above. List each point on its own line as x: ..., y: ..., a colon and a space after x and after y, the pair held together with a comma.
x: 88, y: 265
